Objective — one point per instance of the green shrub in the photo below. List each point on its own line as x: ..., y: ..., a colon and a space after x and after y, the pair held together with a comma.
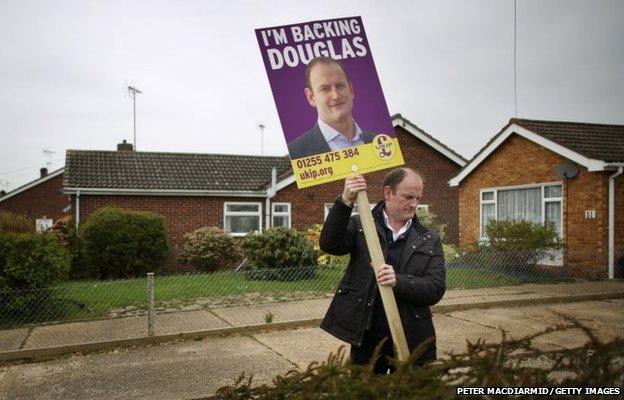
x: 428, y: 219
x: 519, y: 248
x: 324, y: 259
x: 522, y: 242
x: 520, y: 235
x: 119, y: 243
x: 29, y: 264
x: 16, y: 223
x: 450, y: 253
x: 65, y: 229
x: 209, y: 249
x: 280, y: 254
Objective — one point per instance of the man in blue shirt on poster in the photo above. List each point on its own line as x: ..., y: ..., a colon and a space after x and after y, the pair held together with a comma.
x: 329, y: 90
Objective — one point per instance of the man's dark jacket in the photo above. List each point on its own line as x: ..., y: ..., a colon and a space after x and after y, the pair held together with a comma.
x: 420, y: 278
x: 313, y: 142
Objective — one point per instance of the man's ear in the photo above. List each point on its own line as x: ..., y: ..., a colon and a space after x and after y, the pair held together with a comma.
x: 387, y: 192
x: 310, y: 96
x: 352, y: 90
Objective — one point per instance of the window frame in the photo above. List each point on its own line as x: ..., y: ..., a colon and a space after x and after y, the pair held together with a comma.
x: 43, y: 224
x: 227, y: 213
x: 544, y: 200
x: 281, y: 213
x: 494, y: 201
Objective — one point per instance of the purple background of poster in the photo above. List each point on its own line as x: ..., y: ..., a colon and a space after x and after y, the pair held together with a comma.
x: 287, y: 83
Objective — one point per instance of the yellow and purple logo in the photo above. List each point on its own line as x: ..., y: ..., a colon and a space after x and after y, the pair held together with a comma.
x: 384, y: 147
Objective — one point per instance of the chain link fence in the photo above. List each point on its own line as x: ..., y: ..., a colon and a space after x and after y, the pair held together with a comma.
x: 108, y: 310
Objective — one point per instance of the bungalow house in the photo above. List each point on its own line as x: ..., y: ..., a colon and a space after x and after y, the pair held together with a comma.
x: 241, y: 193
x: 567, y: 173
x: 40, y: 200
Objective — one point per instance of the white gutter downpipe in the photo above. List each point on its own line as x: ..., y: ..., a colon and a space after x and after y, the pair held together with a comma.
x: 612, y: 221
x: 270, y: 194
x: 77, y: 208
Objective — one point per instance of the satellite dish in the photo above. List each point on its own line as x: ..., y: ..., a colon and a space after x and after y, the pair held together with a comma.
x: 567, y: 170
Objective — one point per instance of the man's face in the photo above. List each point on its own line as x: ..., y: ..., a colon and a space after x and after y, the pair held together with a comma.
x: 401, y: 206
x: 331, y: 93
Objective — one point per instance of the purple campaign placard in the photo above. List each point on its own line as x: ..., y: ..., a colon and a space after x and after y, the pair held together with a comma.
x: 286, y: 50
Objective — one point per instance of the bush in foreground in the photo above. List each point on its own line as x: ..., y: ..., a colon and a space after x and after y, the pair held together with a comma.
x: 120, y: 243
x: 515, y: 363
x: 209, y: 249
x: 280, y: 254
x: 29, y: 264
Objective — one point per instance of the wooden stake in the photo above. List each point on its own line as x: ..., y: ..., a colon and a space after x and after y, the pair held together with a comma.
x: 377, y: 259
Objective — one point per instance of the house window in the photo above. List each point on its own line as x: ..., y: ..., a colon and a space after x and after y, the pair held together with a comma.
x: 538, y: 203
x: 488, y: 209
x: 43, y: 224
x: 280, y: 213
x: 241, y: 218
x: 553, y: 210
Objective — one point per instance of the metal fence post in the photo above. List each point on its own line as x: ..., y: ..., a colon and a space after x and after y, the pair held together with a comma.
x: 150, y: 303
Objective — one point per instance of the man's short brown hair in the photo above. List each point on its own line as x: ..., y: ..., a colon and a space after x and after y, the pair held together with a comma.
x: 321, y: 60
x: 396, y: 176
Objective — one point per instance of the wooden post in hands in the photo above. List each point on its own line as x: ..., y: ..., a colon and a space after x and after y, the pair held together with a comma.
x: 377, y: 259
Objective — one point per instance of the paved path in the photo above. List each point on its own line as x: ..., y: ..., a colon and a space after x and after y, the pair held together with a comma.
x: 196, y: 369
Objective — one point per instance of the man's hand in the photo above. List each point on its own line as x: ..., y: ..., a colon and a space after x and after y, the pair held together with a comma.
x: 353, y: 185
x: 386, y: 276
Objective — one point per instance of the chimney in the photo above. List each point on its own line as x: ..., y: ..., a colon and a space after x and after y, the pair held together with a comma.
x: 124, y: 146
x: 2, y: 193
x: 43, y: 171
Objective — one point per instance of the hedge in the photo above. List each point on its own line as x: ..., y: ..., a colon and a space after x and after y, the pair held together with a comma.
x: 119, y: 243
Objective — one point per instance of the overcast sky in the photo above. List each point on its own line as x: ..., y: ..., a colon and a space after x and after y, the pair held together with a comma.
x: 445, y: 65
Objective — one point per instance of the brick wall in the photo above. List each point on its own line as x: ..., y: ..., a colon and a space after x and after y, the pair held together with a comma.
x: 42, y: 200
x: 519, y: 161
x: 587, y: 239
x: 308, y: 204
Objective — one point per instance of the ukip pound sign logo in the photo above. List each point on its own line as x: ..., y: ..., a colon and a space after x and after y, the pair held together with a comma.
x: 384, y: 147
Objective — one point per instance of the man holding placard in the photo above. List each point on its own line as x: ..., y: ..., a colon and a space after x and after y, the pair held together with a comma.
x: 335, y: 149
x: 329, y: 90
x: 414, y: 268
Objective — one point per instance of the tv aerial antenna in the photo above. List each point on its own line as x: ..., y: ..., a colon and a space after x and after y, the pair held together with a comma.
x: 48, y: 154
x: 132, y: 91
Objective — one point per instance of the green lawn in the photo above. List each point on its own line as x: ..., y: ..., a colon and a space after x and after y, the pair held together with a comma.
x: 100, y: 297
x: 470, y: 278
x: 175, y: 291
x: 97, y: 299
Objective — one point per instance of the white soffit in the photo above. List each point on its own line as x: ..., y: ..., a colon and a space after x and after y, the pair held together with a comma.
x: 285, y: 182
